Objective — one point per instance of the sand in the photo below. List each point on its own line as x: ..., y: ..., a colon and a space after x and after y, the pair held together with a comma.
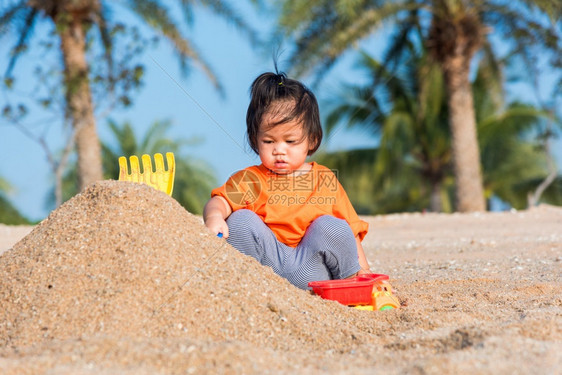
x: 122, y: 280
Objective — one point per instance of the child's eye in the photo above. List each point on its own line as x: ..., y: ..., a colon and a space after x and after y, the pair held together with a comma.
x: 267, y: 141
x: 291, y: 141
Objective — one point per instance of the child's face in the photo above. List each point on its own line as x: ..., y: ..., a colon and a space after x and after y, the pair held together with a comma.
x: 282, y: 148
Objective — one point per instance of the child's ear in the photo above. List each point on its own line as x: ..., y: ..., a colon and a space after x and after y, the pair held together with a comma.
x: 312, y: 147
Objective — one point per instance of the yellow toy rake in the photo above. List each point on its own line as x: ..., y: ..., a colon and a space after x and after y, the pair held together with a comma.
x: 160, y: 179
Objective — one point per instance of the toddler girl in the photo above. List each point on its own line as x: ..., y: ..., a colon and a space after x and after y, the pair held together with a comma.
x: 289, y: 214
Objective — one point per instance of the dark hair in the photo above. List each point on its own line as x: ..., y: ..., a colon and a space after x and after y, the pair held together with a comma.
x: 270, y: 89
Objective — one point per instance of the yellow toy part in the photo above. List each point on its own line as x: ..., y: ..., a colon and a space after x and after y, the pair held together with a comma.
x: 382, y: 299
x: 160, y: 179
x: 365, y: 307
x: 385, y: 301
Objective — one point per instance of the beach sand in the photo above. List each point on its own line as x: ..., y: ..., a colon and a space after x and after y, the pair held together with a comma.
x: 122, y: 280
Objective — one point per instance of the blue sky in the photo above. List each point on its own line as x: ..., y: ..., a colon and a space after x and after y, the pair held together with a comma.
x: 190, y: 103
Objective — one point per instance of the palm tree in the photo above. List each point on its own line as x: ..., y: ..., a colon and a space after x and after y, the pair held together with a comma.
x: 75, y: 21
x: 194, y: 179
x: 404, y: 192
x: 513, y: 161
x: 408, y: 112
x: 453, y: 32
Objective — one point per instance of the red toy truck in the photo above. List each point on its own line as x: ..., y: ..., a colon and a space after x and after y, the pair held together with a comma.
x: 366, y: 292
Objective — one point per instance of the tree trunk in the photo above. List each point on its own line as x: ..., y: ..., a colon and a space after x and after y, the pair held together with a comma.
x: 462, y: 121
x: 79, y: 103
x: 435, y: 200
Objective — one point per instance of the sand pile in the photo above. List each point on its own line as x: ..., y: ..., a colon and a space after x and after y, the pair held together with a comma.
x: 122, y: 280
x: 125, y: 260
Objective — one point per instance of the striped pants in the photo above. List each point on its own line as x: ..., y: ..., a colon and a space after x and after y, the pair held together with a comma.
x: 327, y: 251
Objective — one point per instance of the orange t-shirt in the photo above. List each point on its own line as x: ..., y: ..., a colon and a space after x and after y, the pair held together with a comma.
x: 288, y: 205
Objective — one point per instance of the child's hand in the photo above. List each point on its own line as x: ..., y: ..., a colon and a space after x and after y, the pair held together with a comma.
x: 215, y: 212
x: 217, y: 225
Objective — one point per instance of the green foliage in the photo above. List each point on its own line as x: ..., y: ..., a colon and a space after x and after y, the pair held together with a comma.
x: 509, y: 137
x: 8, y: 213
x: 552, y: 195
x: 4, y: 186
x: 21, y: 17
x: 408, y: 113
x: 355, y: 170
x: 452, y: 31
x: 194, y: 179
x: 324, y: 30
x: 112, y: 71
x: 410, y: 169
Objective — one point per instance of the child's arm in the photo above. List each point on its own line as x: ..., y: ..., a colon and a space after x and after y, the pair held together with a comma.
x: 365, y: 268
x: 215, y: 213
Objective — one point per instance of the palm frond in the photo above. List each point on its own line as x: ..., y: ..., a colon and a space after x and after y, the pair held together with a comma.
x: 156, y: 131
x: 12, y: 15
x: 552, y: 8
x: 355, y: 107
x: 323, y: 30
x: 157, y: 16
x: 525, y: 30
x: 126, y: 139
x: 223, y: 9
x: 25, y: 31
x: 518, y: 119
x: 107, y: 42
